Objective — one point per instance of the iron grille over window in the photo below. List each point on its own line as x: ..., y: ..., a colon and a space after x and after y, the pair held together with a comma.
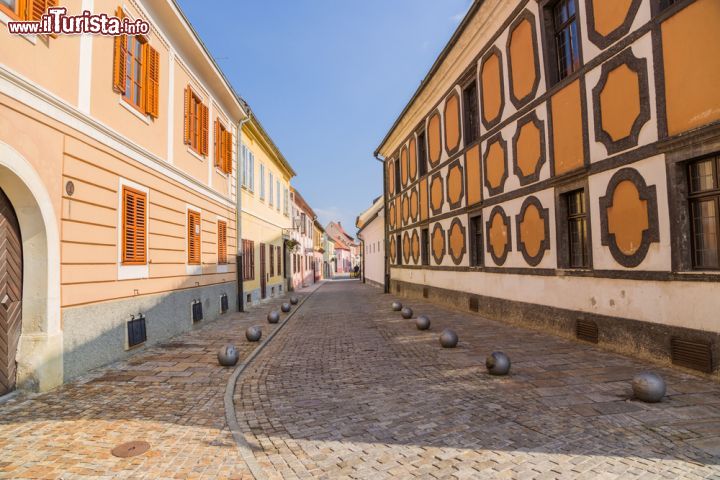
x: 704, y: 201
x: 422, y: 154
x: 224, y: 303
x: 197, y: 311
x: 425, y: 246
x: 137, y: 332
x: 476, y: 248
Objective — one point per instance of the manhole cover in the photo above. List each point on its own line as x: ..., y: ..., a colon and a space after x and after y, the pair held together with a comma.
x: 130, y: 449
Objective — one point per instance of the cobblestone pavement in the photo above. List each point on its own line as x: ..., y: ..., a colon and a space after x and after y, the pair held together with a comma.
x: 170, y: 395
x: 348, y: 389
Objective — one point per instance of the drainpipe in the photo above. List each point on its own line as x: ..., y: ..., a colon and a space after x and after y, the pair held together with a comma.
x: 386, y: 283
x: 238, y: 219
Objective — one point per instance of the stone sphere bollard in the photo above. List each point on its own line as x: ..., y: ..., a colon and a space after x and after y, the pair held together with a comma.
x: 648, y: 387
x: 448, y: 338
x: 253, y: 334
x: 407, y: 313
x: 273, y: 317
x: 422, y: 322
x: 285, y: 307
x: 497, y: 363
x: 396, y: 306
x: 294, y: 300
x: 228, y: 356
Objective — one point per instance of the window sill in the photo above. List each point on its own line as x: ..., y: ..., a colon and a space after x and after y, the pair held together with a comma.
x: 193, y: 269
x: 5, y: 19
x: 221, y: 173
x: 195, y: 154
x: 134, y: 111
x: 222, y: 268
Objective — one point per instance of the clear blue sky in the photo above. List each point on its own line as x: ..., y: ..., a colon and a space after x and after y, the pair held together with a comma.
x: 327, y: 79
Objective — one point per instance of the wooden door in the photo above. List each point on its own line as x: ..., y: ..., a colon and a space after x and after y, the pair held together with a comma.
x: 263, y: 274
x: 11, y: 269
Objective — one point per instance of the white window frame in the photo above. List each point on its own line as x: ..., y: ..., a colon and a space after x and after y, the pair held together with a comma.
x: 262, y: 181
x: 271, y: 199
x: 277, y: 193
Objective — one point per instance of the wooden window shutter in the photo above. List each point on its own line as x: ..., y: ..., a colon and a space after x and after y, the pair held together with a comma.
x: 205, y: 124
x: 152, y: 81
x: 188, y: 114
x: 222, y: 242
x: 194, y: 227
x: 227, y: 153
x: 134, y: 227
x: 217, y: 138
x: 37, y: 8
x: 119, y: 58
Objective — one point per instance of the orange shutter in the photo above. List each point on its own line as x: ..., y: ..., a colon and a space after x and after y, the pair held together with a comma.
x: 188, y: 106
x: 222, y: 242
x: 38, y: 8
x: 134, y: 227
x: 205, y: 127
x: 227, y: 153
x: 152, y: 81
x: 218, y: 143
x: 119, y: 58
x: 194, y: 237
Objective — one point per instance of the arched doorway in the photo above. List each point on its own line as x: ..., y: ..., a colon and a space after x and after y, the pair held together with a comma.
x: 11, y: 274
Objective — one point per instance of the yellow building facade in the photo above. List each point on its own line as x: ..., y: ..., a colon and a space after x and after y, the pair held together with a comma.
x: 265, y: 224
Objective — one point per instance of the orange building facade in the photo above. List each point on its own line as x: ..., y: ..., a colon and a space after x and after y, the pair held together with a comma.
x: 117, y: 191
x: 559, y: 167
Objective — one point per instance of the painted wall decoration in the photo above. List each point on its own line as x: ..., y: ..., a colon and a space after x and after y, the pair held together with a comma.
x: 406, y: 247
x: 474, y: 175
x: 532, y: 227
x: 452, y: 123
x: 692, y: 74
x: 621, y: 102
x: 523, y: 59
x: 492, y: 91
x: 609, y: 21
x: 529, y: 149
x: 405, y: 209
x: 393, y: 250
x: 391, y: 215
x: 438, y: 243
x: 436, y: 193
x: 414, y: 205
x: 455, y: 184
x: 391, y: 176
x: 629, y: 217
x: 423, y: 188
x: 457, y: 241
x: 495, y: 164
x: 434, y: 139
x: 412, y: 158
x: 415, y: 244
x: 568, y: 131
x: 498, y: 235
x: 404, y: 174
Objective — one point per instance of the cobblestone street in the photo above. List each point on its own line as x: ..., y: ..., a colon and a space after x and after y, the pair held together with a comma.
x: 348, y: 389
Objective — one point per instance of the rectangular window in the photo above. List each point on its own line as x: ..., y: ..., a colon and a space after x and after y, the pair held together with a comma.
x: 398, y: 248
x: 397, y: 176
x: 425, y: 246
x: 567, y: 40
x: 704, y: 199
x: 476, y: 239
x: 272, y: 186
x: 272, y: 260
x: 303, y: 224
x: 196, y: 122
x: 223, y: 148
x: 578, y: 254
x: 279, y: 260
x: 277, y: 193
x: 134, y: 73
x: 194, y: 237
x: 262, y: 181
x: 422, y: 154
x: 471, y: 113
x: 286, y: 201
x: 248, y: 260
x: 134, y: 240
x: 222, y: 242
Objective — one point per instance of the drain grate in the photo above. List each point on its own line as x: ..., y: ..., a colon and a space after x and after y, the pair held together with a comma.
x: 694, y: 355
x: 587, y: 330
x: 131, y: 449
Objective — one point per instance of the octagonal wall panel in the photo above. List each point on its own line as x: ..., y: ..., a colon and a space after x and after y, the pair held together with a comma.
x: 423, y: 189
x: 457, y: 241
x: 691, y: 62
x: 495, y: 164
x: 415, y: 246
x: 437, y: 243
x: 437, y: 194
x: 391, y: 176
x: 608, y: 21
x: 455, y: 184
x: 492, y: 91
x: 533, y: 230
x: 523, y: 60
x: 497, y: 233
x: 434, y: 139
x: 404, y: 177
x: 568, y: 129
x: 412, y: 158
x: 414, y: 205
x: 451, y: 115
x: 529, y: 149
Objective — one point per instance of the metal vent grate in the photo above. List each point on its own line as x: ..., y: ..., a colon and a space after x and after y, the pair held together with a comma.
x: 586, y: 330
x: 224, y: 303
x: 474, y: 304
x: 137, y: 333
x: 694, y: 355
x: 197, y: 311
x: 426, y: 292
